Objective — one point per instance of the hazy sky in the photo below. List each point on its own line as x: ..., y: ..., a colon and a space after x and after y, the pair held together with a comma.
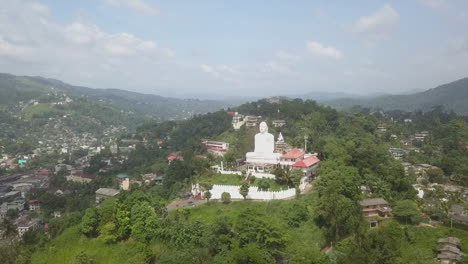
x: 255, y: 47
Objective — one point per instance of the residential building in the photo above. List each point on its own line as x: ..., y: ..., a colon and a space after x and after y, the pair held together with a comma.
x: 238, y: 121
x: 252, y: 121
x: 459, y: 214
x: 216, y: 145
x: 374, y: 208
x: 174, y: 156
x: 124, y: 181
x: 25, y: 223
x: 34, y: 205
x: 397, y: 153
x: 106, y: 193
x: 449, y: 253
x: 382, y: 128
x: 278, y: 123
x: 80, y: 178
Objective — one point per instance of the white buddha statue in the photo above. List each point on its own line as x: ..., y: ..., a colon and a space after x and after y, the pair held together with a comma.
x: 264, y: 147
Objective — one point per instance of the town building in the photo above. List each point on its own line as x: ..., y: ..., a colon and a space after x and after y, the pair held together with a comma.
x: 80, y: 178
x: 237, y: 121
x: 397, y: 153
x: 278, y: 123
x: 459, y: 214
x: 34, y: 205
x: 17, y: 205
x: 382, y: 128
x: 449, y: 253
x: 25, y: 223
x: 217, y: 147
x: 105, y: 193
x: 174, y: 156
x: 374, y: 208
x: 252, y: 121
x: 124, y: 181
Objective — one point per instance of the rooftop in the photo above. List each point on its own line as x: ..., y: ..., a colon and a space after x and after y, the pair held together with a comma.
x: 451, y: 240
x: 373, y: 201
x: 107, y: 192
x: 307, y: 162
x: 293, y: 154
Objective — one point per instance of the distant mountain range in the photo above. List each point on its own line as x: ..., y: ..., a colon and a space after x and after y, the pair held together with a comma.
x: 452, y: 96
x: 14, y: 89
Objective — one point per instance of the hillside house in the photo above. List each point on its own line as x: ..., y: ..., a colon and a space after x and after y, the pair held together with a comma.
x: 449, y: 253
x: 252, y: 121
x: 278, y: 123
x: 80, y: 178
x: 459, y: 214
x: 174, y: 156
x: 106, y: 193
x: 34, y: 205
x: 374, y: 208
x: 217, y: 147
x: 25, y: 223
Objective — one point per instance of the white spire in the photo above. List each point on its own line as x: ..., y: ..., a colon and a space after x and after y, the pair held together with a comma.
x: 280, y: 138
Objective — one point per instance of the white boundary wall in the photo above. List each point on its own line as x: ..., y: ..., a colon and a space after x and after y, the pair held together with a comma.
x: 254, y: 193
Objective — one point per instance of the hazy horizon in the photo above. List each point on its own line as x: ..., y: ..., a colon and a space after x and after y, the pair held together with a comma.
x: 237, y: 49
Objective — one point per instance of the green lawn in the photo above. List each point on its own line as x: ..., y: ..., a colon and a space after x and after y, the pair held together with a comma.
x: 229, y: 179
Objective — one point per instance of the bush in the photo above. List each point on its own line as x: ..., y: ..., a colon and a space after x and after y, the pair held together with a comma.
x: 226, y: 197
x: 263, y: 185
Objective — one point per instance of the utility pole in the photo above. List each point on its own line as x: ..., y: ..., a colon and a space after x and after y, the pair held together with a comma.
x: 305, y: 143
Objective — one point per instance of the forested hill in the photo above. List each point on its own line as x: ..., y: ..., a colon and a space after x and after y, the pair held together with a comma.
x: 14, y: 89
x: 452, y: 96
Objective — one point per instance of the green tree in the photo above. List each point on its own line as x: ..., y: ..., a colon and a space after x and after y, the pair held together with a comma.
x: 108, y: 233
x: 407, y: 210
x: 83, y: 258
x: 90, y: 222
x: 244, y: 189
x: 207, y: 196
x: 226, y: 197
x: 144, y: 222
x: 263, y: 185
x: 249, y: 254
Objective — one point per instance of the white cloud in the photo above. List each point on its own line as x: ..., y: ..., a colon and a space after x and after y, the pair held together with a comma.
x: 318, y: 49
x: 138, y: 5
x: 283, y: 55
x: 382, y: 23
x: 275, y: 67
x: 436, y: 4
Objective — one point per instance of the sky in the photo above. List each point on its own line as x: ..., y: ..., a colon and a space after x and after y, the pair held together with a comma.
x: 216, y: 48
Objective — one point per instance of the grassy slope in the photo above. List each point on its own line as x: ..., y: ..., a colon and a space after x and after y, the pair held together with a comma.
x: 299, y: 240
x: 70, y: 243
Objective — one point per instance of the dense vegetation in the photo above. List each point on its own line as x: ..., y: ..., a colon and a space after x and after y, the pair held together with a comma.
x: 137, y: 228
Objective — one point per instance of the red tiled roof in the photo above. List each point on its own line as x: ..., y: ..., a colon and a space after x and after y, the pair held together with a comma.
x: 33, y: 201
x: 175, y: 155
x: 306, y: 163
x: 43, y: 172
x: 231, y: 113
x: 293, y: 154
